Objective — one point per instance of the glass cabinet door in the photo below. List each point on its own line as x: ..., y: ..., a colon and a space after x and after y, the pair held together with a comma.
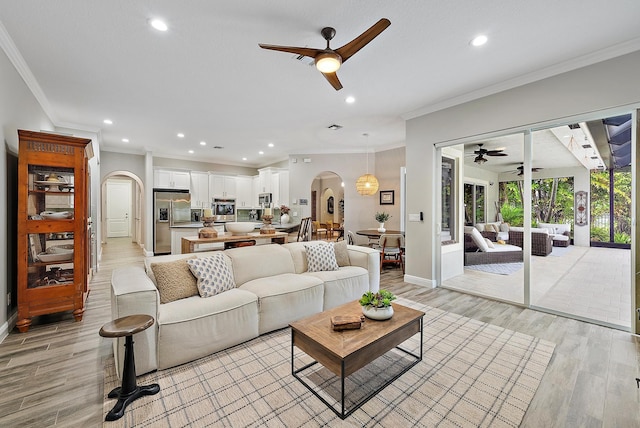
x: 50, y: 212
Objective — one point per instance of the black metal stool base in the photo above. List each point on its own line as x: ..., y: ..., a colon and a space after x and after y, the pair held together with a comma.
x: 118, y: 410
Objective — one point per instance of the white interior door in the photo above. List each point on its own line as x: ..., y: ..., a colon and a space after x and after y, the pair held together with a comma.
x: 118, y: 208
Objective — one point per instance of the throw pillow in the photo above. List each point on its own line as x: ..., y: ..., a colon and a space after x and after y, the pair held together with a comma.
x: 174, y: 280
x: 504, y: 227
x: 478, y: 239
x: 489, y: 243
x: 321, y: 258
x: 214, y: 274
x: 342, y: 254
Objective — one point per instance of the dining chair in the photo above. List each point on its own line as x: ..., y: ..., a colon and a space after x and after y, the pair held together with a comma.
x: 317, y: 230
x: 391, y: 250
x: 304, y: 231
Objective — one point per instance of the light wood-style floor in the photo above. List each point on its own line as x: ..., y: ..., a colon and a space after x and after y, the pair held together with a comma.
x: 53, y: 375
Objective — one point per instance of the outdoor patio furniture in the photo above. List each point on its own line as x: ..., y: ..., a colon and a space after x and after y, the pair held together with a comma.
x: 541, y: 242
x: 478, y: 252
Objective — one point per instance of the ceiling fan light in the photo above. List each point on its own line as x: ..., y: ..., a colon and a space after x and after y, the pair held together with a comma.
x: 367, y: 184
x: 480, y: 159
x: 328, y: 62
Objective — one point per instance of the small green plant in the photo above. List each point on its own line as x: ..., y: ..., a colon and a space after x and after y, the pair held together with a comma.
x: 512, y: 215
x: 621, y: 238
x: 599, y: 234
x: 382, y: 217
x: 381, y: 299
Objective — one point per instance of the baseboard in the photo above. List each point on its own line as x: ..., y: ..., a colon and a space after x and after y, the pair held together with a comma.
x: 7, y: 326
x: 419, y: 281
x: 147, y: 253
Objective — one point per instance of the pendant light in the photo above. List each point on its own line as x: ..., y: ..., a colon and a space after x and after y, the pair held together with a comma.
x: 367, y: 184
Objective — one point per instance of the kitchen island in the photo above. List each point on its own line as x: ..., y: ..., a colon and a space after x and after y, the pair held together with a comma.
x: 189, y: 243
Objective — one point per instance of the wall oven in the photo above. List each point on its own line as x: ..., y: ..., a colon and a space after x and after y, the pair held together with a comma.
x: 224, y: 209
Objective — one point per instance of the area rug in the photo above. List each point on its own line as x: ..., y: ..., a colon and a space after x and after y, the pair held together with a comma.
x: 498, y: 268
x: 472, y: 374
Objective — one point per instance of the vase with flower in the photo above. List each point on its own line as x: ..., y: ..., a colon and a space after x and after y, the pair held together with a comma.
x: 284, y: 214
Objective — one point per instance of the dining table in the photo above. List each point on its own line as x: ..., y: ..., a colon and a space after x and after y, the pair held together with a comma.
x: 375, y: 234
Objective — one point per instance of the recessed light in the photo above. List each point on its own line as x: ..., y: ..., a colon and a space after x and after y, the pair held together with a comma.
x: 270, y: 144
x: 125, y: 140
x: 108, y: 121
x: 190, y: 152
x: 203, y: 143
x: 479, y: 40
x: 260, y: 152
x: 159, y: 24
x: 244, y: 158
x: 180, y: 135
x: 350, y: 100
x: 334, y: 127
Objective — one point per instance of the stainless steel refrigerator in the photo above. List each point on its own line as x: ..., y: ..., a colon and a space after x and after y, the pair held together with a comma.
x: 170, y: 208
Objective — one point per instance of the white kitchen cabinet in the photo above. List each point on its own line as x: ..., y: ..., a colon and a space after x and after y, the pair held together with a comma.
x: 168, y: 179
x: 274, y: 189
x: 222, y: 186
x: 284, y: 188
x: 244, y: 192
x: 255, y: 190
x: 200, y: 190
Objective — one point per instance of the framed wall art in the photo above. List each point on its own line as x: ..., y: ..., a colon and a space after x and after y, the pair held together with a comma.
x: 581, y: 212
x: 387, y: 197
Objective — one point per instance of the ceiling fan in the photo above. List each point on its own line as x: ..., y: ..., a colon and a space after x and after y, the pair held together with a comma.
x: 481, y: 153
x: 520, y: 170
x: 327, y: 60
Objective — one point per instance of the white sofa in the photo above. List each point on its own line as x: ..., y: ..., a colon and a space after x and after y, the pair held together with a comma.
x: 272, y: 289
x: 560, y: 233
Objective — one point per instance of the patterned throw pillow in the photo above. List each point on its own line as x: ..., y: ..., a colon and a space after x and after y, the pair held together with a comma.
x: 213, y: 273
x: 342, y: 253
x: 321, y: 258
x: 174, y: 280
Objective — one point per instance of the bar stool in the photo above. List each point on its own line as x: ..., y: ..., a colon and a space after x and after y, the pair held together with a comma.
x: 129, y: 391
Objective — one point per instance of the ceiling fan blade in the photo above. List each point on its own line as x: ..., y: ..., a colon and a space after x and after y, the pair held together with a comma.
x: 348, y: 50
x: 333, y: 79
x: 310, y: 52
x: 496, y: 154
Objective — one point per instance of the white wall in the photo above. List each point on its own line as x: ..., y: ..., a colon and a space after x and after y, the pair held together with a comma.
x: 19, y: 109
x: 582, y: 93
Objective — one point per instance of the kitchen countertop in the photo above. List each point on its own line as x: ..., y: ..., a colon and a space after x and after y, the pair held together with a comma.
x: 199, y: 225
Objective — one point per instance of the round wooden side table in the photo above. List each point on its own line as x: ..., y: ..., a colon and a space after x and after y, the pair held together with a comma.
x: 129, y: 391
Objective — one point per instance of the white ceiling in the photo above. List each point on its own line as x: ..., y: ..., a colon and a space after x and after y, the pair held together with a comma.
x: 207, y: 77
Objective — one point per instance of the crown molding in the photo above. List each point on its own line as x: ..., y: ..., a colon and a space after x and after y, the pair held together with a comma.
x: 14, y: 55
x: 544, y: 73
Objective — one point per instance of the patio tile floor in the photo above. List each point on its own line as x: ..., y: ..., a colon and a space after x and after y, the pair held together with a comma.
x: 589, y: 282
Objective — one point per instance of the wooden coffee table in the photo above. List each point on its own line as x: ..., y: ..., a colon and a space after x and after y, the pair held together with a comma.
x: 345, y: 352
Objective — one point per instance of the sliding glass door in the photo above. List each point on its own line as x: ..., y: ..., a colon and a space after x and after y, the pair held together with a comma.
x: 562, y: 195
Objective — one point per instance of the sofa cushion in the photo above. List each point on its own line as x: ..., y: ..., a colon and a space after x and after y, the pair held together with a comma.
x: 174, y: 280
x: 259, y: 261
x: 193, y: 328
x: 343, y: 285
x: 285, y: 298
x: 321, y: 258
x: 214, y: 274
x: 478, y: 240
x: 342, y: 253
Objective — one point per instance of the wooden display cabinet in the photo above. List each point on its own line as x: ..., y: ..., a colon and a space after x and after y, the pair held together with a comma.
x: 52, y: 225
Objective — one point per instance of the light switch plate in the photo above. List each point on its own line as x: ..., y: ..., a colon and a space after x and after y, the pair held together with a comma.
x: 414, y: 217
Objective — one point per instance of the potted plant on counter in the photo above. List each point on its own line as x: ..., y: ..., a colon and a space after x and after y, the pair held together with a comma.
x: 381, y: 218
x: 377, y: 306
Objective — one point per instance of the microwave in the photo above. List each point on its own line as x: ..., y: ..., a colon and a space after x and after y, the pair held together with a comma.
x: 265, y: 199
